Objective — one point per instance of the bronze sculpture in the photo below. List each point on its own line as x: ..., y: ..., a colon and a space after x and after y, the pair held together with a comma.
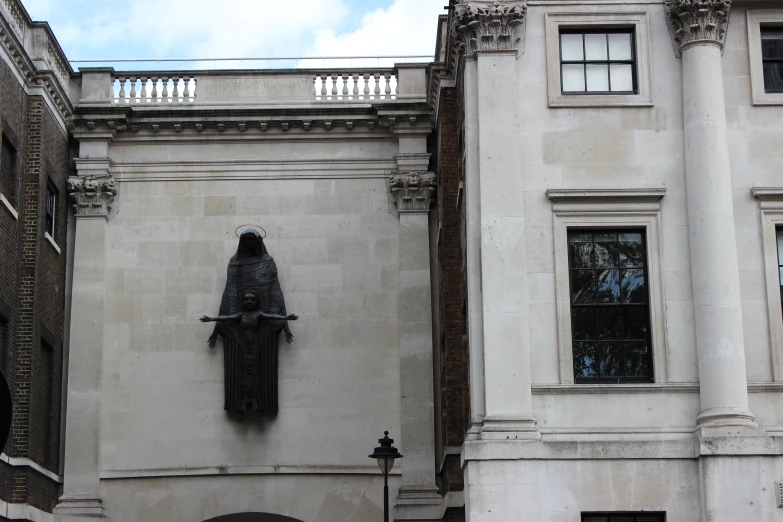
x: 252, y: 315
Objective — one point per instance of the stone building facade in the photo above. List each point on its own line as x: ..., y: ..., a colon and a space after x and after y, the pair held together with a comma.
x: 546, y: 262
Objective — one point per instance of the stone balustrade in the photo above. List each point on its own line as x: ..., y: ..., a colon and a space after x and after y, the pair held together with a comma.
x: 146, y: 88
x: 377, y: 84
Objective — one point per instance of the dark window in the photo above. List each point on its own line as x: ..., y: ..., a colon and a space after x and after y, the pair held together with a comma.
x: 772, y: 58
x: 51, y: 208
x: 610, y: 318
x: 597, y: 62
x: 780, y: 261
x: 47, y: 371
x: 8, y: 170
x: 5, y: 344
x: 624, y: 517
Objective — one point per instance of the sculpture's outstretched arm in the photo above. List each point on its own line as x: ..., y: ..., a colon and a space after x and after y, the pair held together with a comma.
x: 220, y: 318
x: 289, y: 317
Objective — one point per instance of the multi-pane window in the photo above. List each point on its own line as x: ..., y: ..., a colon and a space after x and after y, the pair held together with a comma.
x: 624, y: 517
x: 772, y: 58
x: 51, y: 208
x: 597, y: 62
x: 8, y: 170
x: 610, y: 317
x: 779, y: 232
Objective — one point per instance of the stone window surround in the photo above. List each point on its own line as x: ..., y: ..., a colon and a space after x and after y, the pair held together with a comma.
x: 756, y: 18
x: 771, y: 209
x: 610, y: 209
x: 588, y: 17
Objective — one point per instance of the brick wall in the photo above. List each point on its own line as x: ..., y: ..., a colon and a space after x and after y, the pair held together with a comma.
x: 32, y: 288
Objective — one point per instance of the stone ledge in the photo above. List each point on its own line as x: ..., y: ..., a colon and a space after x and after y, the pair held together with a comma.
x: 9, y: 207
x: 577, y: 389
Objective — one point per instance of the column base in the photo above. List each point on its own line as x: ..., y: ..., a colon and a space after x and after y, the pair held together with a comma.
x: 417, y: 503
x: 474, y: 431
x: 78, y: 508
x: 721, y: 422
x: 509, y: 427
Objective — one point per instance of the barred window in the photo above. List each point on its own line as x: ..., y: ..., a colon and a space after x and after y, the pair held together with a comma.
x: 624, y: 517
x: 51, y: 208
x: 597, y: 62
x: 772, y: 58
x: 610, y: 317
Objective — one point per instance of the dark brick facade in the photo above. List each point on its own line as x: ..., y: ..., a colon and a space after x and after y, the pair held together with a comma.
x: 454, y: 363
x: 32, y: 293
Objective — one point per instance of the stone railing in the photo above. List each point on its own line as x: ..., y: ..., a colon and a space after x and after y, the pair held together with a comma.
x: 104, y: 86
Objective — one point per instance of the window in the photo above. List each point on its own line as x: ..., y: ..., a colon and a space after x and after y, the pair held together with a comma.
x: 772, y: 58
x: 5, y: 344
x: 8, y: 170
x: 51, y: 207
x: 624, y: 517
x: 597, y: 62
x: 610, y: 316
x: 779, y: 234
x: 765, y: 48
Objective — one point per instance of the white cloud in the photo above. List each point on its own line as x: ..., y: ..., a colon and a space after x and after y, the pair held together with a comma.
x: 407, y: 27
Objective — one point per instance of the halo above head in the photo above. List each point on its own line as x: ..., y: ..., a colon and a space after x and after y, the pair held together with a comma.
x: 236, y: 232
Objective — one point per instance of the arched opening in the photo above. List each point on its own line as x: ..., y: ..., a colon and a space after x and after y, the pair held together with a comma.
x: 252, y: 517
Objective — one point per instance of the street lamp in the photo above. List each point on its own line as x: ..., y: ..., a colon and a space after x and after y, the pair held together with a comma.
x: 385, y: 454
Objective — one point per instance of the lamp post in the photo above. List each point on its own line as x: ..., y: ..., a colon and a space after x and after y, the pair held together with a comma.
x: 385, y: 454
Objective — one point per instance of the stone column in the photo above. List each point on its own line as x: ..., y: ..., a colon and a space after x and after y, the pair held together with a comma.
x: 92, y: 196
x: 413, y: 193
x: 488, y: 31
x: 700, y: 30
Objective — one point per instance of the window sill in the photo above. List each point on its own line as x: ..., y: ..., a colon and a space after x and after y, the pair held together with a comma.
x: 7, y: 204
x: 599, y: 100
x: 50, y: 239
x: 767, y: 98
x: 580, y: 389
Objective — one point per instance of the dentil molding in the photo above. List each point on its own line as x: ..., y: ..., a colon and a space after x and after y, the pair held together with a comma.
x: 412, y: 191
x: 488, y: 26
x: 92, y: 196
x: 698, y: 21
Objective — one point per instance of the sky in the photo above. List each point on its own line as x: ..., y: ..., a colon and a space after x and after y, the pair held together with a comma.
x: 106, y: 29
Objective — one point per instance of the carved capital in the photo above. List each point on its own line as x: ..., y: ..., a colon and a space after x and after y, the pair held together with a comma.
x: 487, y: 26
x: 412, y: 191
x: 698, y: 21
x: 92, y: 196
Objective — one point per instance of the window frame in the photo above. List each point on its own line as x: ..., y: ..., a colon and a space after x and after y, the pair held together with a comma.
x: 11, y: 200
x: 599, y: 19
x: 764, y: 61
x: 645, y: 267
x: 50, y: 209
x: 633, y: 61
x: 592, y: 209
x: 756, y: 18
x: 661, y: 515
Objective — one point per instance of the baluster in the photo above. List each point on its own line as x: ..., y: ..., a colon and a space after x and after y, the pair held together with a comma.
x: 366, y: 86
x: 387, y: 76
x: 121, y: 96
x: 133, y: 90
x: 377, y: 86
x: 355, y: 86
x: 154, y: 98
x: 186, y: 90
x: 166, y: 89
x: 334, y: 87
x: 195, y: 88
x: 345, y: 86
x: 144, y: 90
x: 323, y: 87
x: 175, y: 95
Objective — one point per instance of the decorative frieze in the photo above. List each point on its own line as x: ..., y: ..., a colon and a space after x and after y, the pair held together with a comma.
x: 699, y: 21
x: 487, y: 26
x: 412, y: 191
x: 92, y: 195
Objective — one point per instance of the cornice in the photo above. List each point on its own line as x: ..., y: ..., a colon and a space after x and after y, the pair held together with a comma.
x: 698, y: 21
x: 487, y: 26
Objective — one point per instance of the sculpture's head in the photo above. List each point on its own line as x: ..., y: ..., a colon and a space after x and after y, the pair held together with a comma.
x: 250, y: 301
x: 251, y: 244
x: 250, y: 239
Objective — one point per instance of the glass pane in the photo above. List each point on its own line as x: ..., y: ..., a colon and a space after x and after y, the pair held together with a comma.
x: 622, y: 77
x: 606, y: 254
x: 636, y: 359
x: 781, y: 276
x: 631, y: 250
x: 573, y: 78
x: 595, y: 46
x: 610, y: 323
x: 633, y: 286
x: 608, y: 286
x: 773, y: 77
x: 611, y: 359
x: 585, y: 360
x: 772, y: 42
x: 581, y: 255
x: 583, y: 325
x: 620, y: 46
x: 575, y: 237
x: 780, y: 246
x: 571, y: 47
x: 635, y: 322
x: 597, y: 78
x: 604, y: 237
x: 583, y: 286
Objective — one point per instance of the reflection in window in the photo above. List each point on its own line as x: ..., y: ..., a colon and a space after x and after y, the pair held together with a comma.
x: 597, y: 63
x: 610, y: 318
x: 772, y: 58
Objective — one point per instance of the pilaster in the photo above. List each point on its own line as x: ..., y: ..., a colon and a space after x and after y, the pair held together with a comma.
x: 92, y: 193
